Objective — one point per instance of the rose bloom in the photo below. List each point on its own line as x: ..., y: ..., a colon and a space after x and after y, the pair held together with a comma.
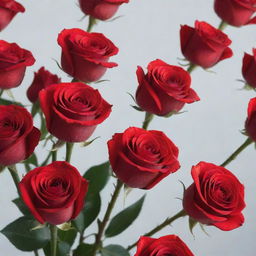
x: 165, y: 245
x: 250, y: 124
x: 249, y: 69
x: 164, y: 89
x: 236, y: 12
x: 13, y: 63
x: 141, y: 158
x: 8, y: 9
x: 18, y: 136
x: 85, y: 55
x: 204, y: 45
x: 101, y: 9
x: 215, y: 198
x: 42, y: 79
x: 73, y: 110
x: 54, y: 193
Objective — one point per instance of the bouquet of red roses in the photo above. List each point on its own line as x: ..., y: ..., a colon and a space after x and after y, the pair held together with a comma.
x: 62, y: 206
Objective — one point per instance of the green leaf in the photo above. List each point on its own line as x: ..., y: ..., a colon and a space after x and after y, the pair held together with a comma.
x: 21, y: 235
x: 98, y: 177
x: 21, y: 205
x: 83, y: 250
x: 114, y: 250
x: 68, y: 236
x: 89, y: 213
x: 124, y: 219
x: 63, y: 249
x: 9, y: 102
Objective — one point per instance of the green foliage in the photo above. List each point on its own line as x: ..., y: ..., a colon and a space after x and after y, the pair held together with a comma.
x: 114, y: 250
x: 98, y: 177
x: 23, y: 236
x: 124, y: 219
x: 83, y: 250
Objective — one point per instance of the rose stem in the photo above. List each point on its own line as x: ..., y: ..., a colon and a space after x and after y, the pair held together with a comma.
x: 15, y: 176
x: 69, y: 148
x: 191, y: 67
x: 36, y: 253
x: 222, y: 25
x: 1, y: 92
x: 167, y: 222
x: 147, y: 120
x: 92, y: 22
x: 237, y: 152
x: 54, y: 155
x: 102, y: 224
x: 54, y: 235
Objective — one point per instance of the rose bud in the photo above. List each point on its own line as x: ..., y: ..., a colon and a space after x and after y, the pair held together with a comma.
x: 215, y: 198
x: 101, y: 9
x: 141, y: 158
x: 13, y: 63
x: 165, y: 245
x: 8, y: 9
x: 250, y: 124
x: 54, y: 193
x: 204, y: 45
x: 85, y: 55
x: 42, y: 79
x: 164, y: 89
x: 18, y: 136
x: 236, y: 12
x: 249, y: 69
x: 73, y: 110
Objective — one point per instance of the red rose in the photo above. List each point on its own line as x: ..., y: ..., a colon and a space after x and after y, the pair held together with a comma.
x: 250, y: 124
x: 164, y: 88
x: 249, y: 68
x: 85, y: 55
x: 73, y: 110
x: 204, y: 45
x: 13, y: 63
x: 101, y: 9
x: 18, y: 136
x: 141, y: 158
x: 236, y: 12
x: 42, y: 79
x: 215, y: 198
x: 165, y: 245
x: 8, y: 9
x: 54, y: 193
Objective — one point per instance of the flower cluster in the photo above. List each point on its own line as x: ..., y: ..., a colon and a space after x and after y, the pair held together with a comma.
x: 54, y: 192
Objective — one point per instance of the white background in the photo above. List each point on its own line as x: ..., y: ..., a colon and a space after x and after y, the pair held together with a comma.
x: 208, y: 131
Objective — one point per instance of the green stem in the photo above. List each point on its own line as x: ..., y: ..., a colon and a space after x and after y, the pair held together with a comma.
x: 54, y: 236
x: 92, y: 22
x: 15, y: 176
x: 222, y: 25
x: 237, y: 152
x: 46, y: 159
x: 102, y: 224
x: 54, y: 155
x: 191, y: 67
x: 69, y: 148
x: 167, y: 222
x: 36, y: 253
x: 1, y: 92
x: 148, y: 118
x: 27, y: 167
